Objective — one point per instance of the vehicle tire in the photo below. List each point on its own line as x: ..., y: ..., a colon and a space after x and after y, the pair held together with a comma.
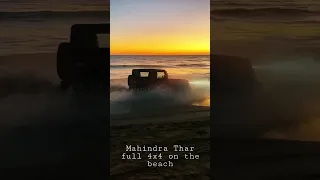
x: 65, y: 61
x: 130, y: 80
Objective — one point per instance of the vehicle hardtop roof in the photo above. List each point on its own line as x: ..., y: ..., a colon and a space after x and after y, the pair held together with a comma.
x: 83, y: 33
x: 144, y: 70
x: 91, y: 28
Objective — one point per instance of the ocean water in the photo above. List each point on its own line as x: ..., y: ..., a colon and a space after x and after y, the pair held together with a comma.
x: 262, y: 29
x: 193, y: 67
x: 281, y: 38
x: 39, y: 26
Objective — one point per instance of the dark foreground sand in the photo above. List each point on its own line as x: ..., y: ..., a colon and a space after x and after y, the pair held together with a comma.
x: 188, y: 127
x: 231, y: 158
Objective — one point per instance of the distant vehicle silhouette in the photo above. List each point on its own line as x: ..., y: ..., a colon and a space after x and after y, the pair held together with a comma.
x: 149, y: 79
x: 82, y: 63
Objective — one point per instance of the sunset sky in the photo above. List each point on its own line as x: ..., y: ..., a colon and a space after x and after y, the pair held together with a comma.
x: 165, y: 27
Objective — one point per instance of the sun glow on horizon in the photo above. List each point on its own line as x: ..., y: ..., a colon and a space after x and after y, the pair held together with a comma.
x: 167, y: 27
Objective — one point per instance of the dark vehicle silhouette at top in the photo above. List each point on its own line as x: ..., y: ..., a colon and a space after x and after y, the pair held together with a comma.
x: 82, y: 63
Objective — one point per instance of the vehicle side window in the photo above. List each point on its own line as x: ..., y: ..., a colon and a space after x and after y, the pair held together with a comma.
x: 144, y: 74
x: 160, y: 75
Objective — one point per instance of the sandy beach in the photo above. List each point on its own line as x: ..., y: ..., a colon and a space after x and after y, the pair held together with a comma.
x: 247, y: 157
x: 188, y: 126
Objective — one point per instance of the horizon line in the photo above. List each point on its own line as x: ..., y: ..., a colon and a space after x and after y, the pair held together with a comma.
x: 160, y: 54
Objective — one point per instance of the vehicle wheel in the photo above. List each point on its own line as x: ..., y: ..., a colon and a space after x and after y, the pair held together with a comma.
x: 64, y: 61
